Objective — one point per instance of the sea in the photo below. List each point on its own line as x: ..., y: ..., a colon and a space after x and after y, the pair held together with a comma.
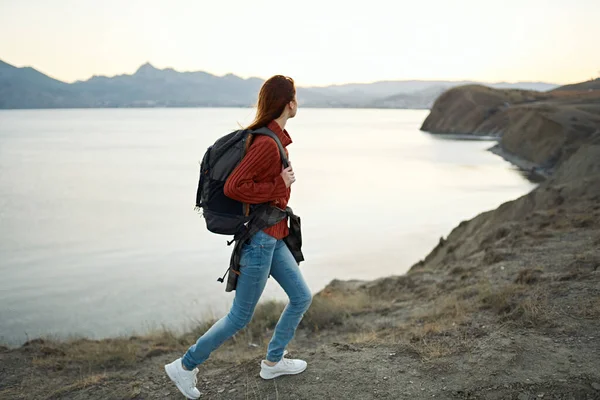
x: 99, y: 236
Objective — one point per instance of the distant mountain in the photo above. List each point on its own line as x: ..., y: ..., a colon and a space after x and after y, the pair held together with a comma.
x: 422, y: 99
x: 537, y: 86
x: 399, y: 94
x: 29, y: 88
x: 153, y: 87
x: 389, y: 88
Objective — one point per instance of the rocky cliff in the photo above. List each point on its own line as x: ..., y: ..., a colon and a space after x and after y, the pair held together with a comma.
x: 534, y: 129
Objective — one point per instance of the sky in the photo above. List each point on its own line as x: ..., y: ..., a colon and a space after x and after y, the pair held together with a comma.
x: 317, y: 42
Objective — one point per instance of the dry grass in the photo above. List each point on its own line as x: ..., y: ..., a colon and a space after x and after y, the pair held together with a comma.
x: 11, y: 393
x: 436, y: 331
x: 82, y: 383
x: 428, y: 344
x: 443, y: 327
x: 263, y: 322
x: 432, y: 349
x: 534, y: 311
x: 585, y: 221
x: 94, y: 355
x: 451, y: 309
x: 369, y: 337
x: 452, y: 324
x: 586, y: 262
x: 588, y: 309
x: 264, y: 319
x: 528, y: 276
x: 166, y: 339
x: 520, y: 304
x: 500, y: 301
x: 330, y: 309
x: 431, y: 341
x: 495, y: 256
x: 89, y: 354
x: 448, y: 326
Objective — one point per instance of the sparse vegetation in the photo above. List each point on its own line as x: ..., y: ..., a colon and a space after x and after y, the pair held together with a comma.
x: 494, y: 256
x: 330, y: 309
x: 528, y: 276
x: 81, y: 383
x: 94, y: 355
x: 589, y: 308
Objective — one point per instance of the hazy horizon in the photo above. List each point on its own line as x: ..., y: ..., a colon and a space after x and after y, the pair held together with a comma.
x: 264, y: 78
x: 317, y: 43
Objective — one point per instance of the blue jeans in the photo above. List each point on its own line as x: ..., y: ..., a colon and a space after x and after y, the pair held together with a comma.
x: 262, y: 256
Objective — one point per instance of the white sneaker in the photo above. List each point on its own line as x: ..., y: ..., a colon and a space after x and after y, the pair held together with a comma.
x: 184, y: 380
x: 284, y: 367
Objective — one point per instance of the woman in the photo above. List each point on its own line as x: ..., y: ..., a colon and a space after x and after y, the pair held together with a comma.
x: 259, y: 179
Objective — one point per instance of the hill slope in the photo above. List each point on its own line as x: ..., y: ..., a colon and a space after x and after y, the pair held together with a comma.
x: 593, y: 84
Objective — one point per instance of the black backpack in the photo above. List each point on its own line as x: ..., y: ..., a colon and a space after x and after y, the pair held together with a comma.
x: 222, y: 214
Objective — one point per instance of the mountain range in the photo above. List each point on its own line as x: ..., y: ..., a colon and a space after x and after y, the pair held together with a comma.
x: 23, y: 88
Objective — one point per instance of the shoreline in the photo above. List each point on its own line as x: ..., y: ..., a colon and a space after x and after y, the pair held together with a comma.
x: 532, y: 171
x: 463, y: 137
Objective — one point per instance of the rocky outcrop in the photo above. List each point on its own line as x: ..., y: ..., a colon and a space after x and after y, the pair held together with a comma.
x: 547, y: 134
x: 475, y: 109
x: 536, y: 130
x: 557, y: 133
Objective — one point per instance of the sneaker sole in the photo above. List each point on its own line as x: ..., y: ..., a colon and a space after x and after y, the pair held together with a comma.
x: 177, y: 384
x: 268, y: 376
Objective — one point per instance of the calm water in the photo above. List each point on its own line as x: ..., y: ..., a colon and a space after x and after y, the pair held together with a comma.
x: 98, y: 235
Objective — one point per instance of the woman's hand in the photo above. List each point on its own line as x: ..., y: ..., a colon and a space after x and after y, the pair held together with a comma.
x: 288, y: 176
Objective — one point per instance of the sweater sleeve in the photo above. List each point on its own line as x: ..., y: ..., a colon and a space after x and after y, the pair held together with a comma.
x: 242, y: 184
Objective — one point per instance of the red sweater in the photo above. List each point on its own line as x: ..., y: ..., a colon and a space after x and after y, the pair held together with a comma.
x: 257, y: 179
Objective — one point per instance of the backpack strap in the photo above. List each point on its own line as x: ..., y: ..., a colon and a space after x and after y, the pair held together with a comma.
x: 267, y: 132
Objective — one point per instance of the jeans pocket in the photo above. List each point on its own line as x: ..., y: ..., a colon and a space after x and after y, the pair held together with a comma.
x: 251, y: 253
x: 258, y: 249
x: 261, y: 240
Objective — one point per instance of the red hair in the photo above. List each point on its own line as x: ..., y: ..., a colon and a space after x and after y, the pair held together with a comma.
x: 277, y: 92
